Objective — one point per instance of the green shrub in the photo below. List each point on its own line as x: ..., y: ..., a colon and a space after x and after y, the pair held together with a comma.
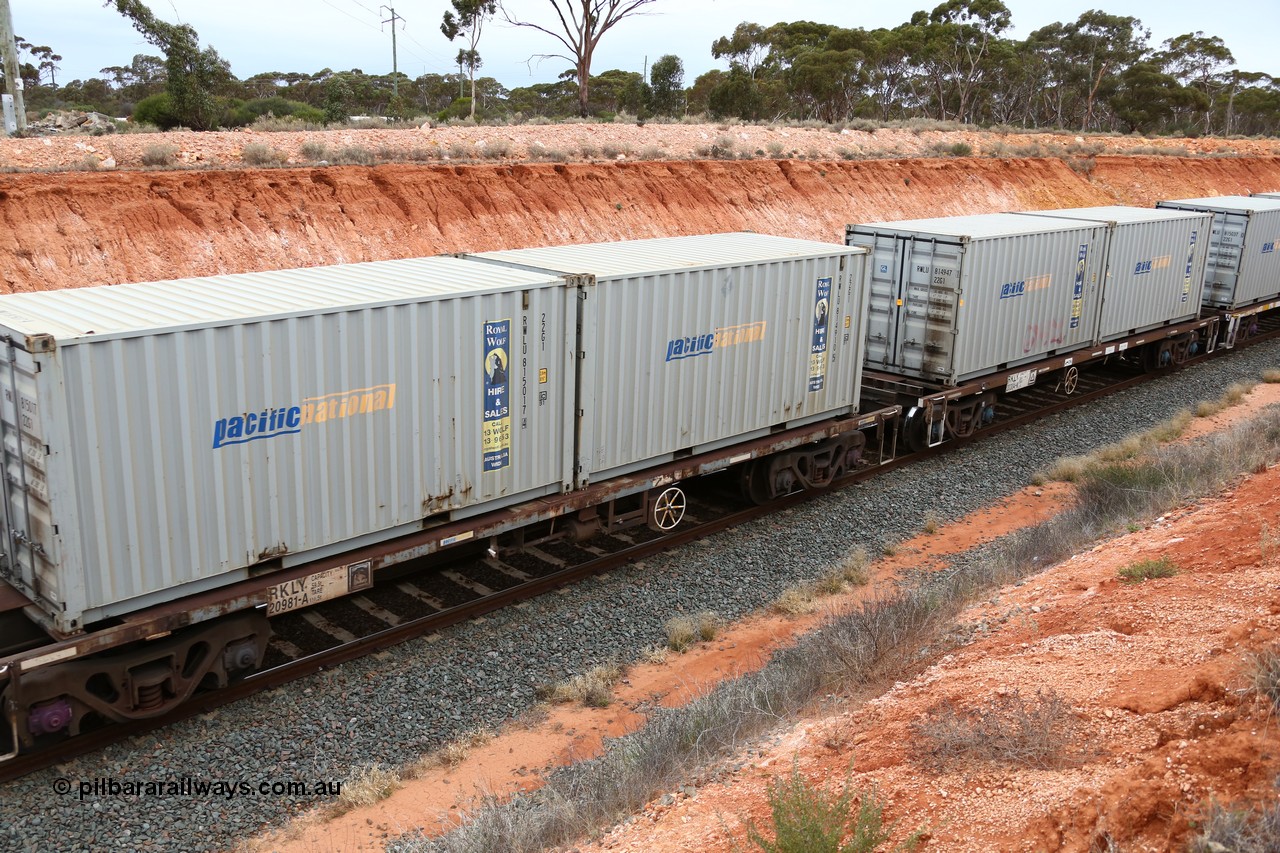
x: 1146, y: 569
x: 809, y: 819
x: 156, y: 110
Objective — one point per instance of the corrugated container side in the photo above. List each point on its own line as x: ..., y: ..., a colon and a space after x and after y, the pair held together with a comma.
x: 688, y: 361
x: 695, y: 343
x: 180, y: 459
x: 950, y: 309
x: 1243, y: 266
x: 1154, y: 267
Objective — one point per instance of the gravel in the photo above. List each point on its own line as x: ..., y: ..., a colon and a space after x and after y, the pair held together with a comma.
x: 391, y: 707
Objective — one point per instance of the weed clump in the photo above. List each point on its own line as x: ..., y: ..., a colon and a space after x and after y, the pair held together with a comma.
x: 1264, y: 676
x: 1007, y: 729
x: 593, y: 688
x: 1147, y: 569
x: 808, y: 819
x: 1238, y: 830
x: 369, y: 785
x: 163, y: 154
x: 257, y: 154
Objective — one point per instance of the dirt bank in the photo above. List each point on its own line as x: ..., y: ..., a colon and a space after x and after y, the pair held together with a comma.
x: 76, y: 228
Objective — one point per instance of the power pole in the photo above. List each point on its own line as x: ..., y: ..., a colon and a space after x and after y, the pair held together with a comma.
x: 395, y: 73
x: 12, y: 79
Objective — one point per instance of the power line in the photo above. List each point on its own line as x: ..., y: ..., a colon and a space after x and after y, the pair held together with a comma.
x: 351, y: 16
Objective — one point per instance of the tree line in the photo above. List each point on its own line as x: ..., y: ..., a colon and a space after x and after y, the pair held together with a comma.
x: 955, y: 63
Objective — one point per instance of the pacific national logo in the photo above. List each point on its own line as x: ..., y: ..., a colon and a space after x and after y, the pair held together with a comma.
x: 1145, y: 267
x: 705, y: 344
x: 1013, y: 289
x: 291, y: 420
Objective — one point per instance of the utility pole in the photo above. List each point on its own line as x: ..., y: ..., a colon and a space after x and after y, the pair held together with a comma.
x: 395, y: 73
x: 12, y: 79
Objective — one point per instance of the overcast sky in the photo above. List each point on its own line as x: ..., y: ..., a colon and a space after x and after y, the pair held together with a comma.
x: 308, y: 35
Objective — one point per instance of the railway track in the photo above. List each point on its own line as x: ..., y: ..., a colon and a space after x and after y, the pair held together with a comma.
x: 418, y: 598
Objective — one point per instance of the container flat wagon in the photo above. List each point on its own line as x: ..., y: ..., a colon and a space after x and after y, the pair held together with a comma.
x: 958, y: 297
x: 1154, y: 270
x: 966, y: 309
x: 690, y: 344
x: 167, y: 438
x: 1242, y: 274
x: 186, y: 459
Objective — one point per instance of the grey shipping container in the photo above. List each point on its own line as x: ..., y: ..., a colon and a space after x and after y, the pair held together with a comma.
x: 959, y: 297
x: 1155, y: 263
x: 1265, y: 195
x: 161, y: 439
x: 694, y: 343
x: 1243, y: 265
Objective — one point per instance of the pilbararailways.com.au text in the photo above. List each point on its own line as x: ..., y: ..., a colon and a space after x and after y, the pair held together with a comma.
x: 188, y: 786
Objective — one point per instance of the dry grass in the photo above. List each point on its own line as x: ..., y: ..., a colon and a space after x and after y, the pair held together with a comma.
x: 1238, y: 830
x: 1006, y: 729
x: 856, y: 568
x: 1271, y: 377
x: 369, y: 785
x: 1264, y: 675
x: 1233, y: 396
x: 593, y: 688
x: 709, y: 625
x: 795, y: 600
x: 450, y: 754
x: 1071, y: 469
x: 163, y: 154
x: 682, y: 633
x: 1268, y: 543
x: 257, y: 154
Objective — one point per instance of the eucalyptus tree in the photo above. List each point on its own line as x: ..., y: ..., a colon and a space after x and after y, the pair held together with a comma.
x: 467, y: 19
x: 579, y: 25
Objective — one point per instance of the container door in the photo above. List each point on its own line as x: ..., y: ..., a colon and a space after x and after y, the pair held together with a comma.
x: 28, y: 536
x: 1226, y: 247
x: 928, y: 300
x: 882, y: 300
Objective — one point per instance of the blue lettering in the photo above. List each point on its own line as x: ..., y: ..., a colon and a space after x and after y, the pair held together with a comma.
x: 678, y: 348
x: 255, y: 425
x: 1013, y: 288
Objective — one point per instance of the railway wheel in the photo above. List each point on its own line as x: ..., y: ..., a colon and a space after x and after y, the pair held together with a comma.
x: 667, y: 509
x: 1070, y: 380
x: 1158, y: 356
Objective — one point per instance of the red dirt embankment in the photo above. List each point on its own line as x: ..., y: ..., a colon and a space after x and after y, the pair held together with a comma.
x: 75, y: 229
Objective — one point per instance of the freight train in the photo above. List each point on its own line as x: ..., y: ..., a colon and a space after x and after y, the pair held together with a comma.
x: 186, y: 459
